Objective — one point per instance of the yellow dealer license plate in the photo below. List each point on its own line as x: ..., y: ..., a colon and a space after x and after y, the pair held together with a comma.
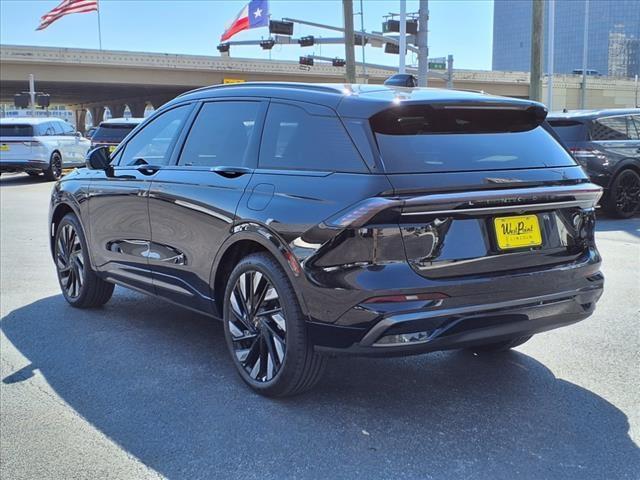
x: 517, y: 232
x: 4, y: 148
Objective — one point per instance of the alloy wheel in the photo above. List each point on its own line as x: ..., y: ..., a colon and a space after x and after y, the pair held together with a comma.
x: 56, y: 166
x: 69, y: 261
x: 628, y: 193
x: 257, y: 326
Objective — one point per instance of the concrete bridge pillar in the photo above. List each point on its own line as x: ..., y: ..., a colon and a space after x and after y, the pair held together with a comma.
x: 137, y: 108
x: 116, y: 109
x: 97, y: 115
x: 81, y: 118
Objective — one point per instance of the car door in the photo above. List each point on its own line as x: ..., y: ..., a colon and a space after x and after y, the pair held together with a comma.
x: 192, y: 204
x: 118, y: 200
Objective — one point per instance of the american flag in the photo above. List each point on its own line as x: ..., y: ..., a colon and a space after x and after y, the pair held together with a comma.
x: 65, y: 8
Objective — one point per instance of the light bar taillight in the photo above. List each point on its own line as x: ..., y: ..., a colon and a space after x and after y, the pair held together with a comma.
x: 407, y: 298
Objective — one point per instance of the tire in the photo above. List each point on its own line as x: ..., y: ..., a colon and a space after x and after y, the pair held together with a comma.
x: 271, y: 351
x: 623, y: 199
x: 33, y: 173
x: 80, y: 285
x: 54, y: 172
x: 501, y: 346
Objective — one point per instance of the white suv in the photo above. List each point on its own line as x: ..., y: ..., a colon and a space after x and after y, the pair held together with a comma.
x: 40, y: 145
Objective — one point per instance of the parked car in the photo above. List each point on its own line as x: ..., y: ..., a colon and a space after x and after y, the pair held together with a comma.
x: 111, y: 132
x: 40, y: 145
x: 607, y: 144
x: 329, y: 219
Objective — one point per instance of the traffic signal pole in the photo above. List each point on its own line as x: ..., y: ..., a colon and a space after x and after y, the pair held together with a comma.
x: 349, y: 48
x: 537, y: 21
x: 423, y: 48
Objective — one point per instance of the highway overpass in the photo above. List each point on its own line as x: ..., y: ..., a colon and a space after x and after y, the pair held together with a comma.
x: 87, y: 79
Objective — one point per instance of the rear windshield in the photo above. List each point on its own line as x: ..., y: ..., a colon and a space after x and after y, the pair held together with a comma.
x: 416, y: 139
x: 112, y: 132
x: 570, y: 131
x: 16, y: 131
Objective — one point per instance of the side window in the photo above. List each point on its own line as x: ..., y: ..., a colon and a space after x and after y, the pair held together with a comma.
x: 610, y: 128
x: 57, y: 128
x: 220, y: 135
x: 293, y: 139
x: 153, y: 144
x: 634, y: 127
x: 67, y: 129
x: 46, y: 129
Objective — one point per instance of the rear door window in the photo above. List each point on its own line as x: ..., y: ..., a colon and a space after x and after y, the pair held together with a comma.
x: 634, y: 127
x: 294, y: 139
x: 221, y: 135
x: 419, y: 139
x: 610, y: 128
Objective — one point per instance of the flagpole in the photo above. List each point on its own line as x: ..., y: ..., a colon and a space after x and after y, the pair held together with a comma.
x: 99, y: 26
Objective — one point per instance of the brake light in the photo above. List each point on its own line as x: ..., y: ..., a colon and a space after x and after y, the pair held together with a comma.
x: 407, y: 298
x: 585, y: 153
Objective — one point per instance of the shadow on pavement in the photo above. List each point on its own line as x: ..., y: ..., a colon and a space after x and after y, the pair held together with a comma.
x: 629, y: 225
x: 157, y: 380
x: 18, y: 179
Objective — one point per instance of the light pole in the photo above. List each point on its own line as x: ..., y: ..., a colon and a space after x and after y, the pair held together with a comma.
x: 552, y: 21
x: 585, y: 41
x: 349, y: 49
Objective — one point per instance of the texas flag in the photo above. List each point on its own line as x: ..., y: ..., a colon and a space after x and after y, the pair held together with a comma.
x: 253, y: 15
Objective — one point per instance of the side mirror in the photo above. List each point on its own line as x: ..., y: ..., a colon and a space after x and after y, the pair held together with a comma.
x: 78, y: 134
x: 98, y: 159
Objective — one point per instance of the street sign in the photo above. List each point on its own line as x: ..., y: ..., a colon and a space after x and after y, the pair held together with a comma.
x: 439, y: 63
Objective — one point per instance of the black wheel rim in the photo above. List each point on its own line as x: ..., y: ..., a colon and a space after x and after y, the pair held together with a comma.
x: 56, y: 167
x: 69, y: 261
x: 257, y: 326
x: 628, y: 193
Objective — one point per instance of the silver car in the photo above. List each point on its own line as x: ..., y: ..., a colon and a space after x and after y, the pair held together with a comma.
x: 40, y: 145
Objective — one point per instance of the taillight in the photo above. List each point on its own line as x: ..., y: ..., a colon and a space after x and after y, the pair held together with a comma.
x: 407, y: 298
x: 583, y: 154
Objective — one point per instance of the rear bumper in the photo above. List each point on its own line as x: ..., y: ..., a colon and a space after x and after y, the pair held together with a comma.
x: 429, y: 329
x: 23, y: 165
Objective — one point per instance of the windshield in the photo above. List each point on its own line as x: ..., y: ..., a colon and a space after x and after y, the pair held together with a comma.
x: 16, y: 131
x: 112, y: 132
x: 421, y: 139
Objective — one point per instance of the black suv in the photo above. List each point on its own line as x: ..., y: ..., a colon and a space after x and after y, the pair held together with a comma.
x: 607, y: 144
x: 337, y: 219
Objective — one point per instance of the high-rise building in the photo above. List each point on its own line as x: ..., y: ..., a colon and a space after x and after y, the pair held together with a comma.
x: 613, y: 42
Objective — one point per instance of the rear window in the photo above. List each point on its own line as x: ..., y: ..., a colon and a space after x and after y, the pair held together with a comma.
x: 16, y: 131
x: 112, y: 132
x: 570, y: 131
x: 421, y: 139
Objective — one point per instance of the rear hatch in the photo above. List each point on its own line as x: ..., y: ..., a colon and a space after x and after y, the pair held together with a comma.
x: 111, y: 134
x: 485, y: 188
x: 16, y: 141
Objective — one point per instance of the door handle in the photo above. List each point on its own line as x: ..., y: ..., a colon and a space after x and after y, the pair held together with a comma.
x: 231, y: 172
x: 148, y: 169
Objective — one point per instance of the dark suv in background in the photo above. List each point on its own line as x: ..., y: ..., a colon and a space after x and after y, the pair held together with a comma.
x: 337, y: 219
x: 607, y: 144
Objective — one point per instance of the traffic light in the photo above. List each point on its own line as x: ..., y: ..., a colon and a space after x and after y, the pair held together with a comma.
x: 358, y: 40
x: 224, y: 48
x: 307, y: 41
x: 393, y: 26
x: 267, y: 44
x: 338, y: 62
x: 391, y: 48
x: 280, y: 28
x: 43, y: 100
x: 308, y: 61
x: 21, y: 100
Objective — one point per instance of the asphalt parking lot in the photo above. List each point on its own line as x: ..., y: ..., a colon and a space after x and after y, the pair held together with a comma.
x: 143, y: 389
